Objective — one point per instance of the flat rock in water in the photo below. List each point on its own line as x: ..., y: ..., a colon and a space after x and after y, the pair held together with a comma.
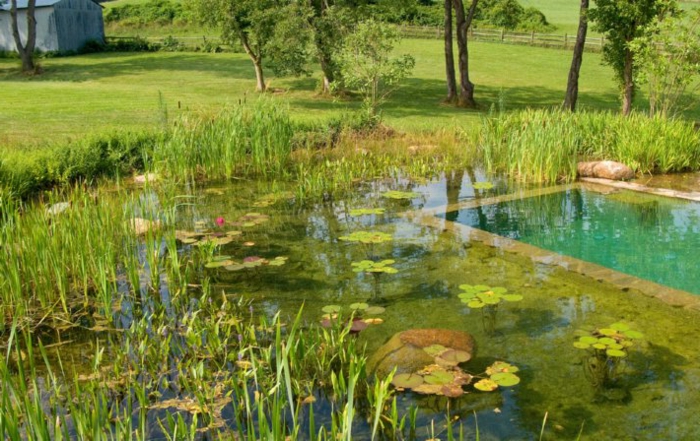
x: 148, y: 177
x: 58, y: 208
x: 142, y: 226
x: 405, y: 350
x: 615, y: 171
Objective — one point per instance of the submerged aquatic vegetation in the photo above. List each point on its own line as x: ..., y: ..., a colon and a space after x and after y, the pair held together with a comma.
x: 366, y: 211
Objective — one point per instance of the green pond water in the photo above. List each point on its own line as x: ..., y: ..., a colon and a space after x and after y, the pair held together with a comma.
x: 653, y: 238
x: 657, y: 394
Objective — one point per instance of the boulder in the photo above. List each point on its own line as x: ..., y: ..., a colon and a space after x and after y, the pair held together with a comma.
x: 148, y: 177
x: 605, y: 170
x: 405, y: 350
x: 142, y: 226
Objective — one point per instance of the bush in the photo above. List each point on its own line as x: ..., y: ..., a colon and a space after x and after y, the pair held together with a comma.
x: 153, y: 11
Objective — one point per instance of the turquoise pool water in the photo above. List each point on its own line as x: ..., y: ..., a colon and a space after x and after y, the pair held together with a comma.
x: 649, y: 237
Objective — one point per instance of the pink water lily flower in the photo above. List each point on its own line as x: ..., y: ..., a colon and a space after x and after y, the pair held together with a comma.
x: 220, y: 221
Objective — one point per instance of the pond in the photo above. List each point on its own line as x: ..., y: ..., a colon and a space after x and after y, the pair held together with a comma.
x: 283, y: 257
x: 537, y: 333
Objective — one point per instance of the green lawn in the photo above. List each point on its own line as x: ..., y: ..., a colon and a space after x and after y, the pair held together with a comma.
x: 101, y: 92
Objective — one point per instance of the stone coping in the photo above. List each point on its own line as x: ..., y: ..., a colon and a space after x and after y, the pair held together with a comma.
x: 427, y: 217
x: 687, y: 195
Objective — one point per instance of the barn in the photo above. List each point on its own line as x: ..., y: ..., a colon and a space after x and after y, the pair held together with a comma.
x: 61, y: 25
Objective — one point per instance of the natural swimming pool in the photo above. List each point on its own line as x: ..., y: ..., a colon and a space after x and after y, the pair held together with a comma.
x: 655, y: 397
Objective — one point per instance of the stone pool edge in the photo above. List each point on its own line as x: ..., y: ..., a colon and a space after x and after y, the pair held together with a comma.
x: 428, y: 217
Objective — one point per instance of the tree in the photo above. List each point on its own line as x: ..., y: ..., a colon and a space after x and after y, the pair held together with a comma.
x: 621, y: 21
x: 274, y: 29
x: 464, y: 21
x: 367, y: 65
x: 449, y: 55
x: 25, y: 50
x: 668, y: 56
x: 577, y: 61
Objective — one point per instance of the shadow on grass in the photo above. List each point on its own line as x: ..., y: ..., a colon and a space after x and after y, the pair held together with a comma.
x: 106, y: 65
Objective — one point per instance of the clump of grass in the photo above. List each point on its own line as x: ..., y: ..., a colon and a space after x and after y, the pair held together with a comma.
x: 545, y: 145
x: 250, y: 141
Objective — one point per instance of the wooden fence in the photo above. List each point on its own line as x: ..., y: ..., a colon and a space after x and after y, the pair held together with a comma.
x: 564, y: 41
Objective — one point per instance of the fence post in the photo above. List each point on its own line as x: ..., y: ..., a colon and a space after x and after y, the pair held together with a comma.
x: 566, y: 41
x: 503, y: 34
x: 532, y: 38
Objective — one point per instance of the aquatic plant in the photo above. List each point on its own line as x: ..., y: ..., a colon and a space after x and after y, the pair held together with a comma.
x: 367, y: 237
x: 486, y: 299
x: 447, y: 379
x: 606, y: 348
x: 372, y: 267
x: 482, y: 185
x: 396, y: 194
x: 366, y: 211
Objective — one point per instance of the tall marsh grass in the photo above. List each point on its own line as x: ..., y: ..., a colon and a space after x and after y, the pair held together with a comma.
x: 250, y: 141
x: 545, y: 145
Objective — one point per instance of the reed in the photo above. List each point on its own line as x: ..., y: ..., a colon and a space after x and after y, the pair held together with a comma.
x: 545, y: 145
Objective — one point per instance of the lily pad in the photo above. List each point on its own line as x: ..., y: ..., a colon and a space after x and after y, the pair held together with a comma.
x: 366, y: 211
x: 395, y: 194
x: 407, y: 381
x: 434, y: 350
x: 358, y: 306
x: 486, y: 385
x: 616, y: 353
x: 455, y: 356
x: 374, y: 310
x: 219, y: 263
x: 505, y: 379
x: 482, y: 185
x: 331, y: 309
x: 439, y: 377
x: 501, y: 366
x: 367, y: 237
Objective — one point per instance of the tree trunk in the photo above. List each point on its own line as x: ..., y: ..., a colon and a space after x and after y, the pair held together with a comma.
x: 449, y: 55
x: 26, y: 51
x: 329, y: 77
x: 256, y: 58
x: 259, y: 77
x: 575, y: 70
x: 628, y: 80
x: 466, y: 90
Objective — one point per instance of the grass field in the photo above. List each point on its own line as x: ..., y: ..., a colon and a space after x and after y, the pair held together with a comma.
x: 103, y: 92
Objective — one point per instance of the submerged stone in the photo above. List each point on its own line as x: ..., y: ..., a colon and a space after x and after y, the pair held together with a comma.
x: 605, y: 169
x: 406, y: 350
x: 142, y: 226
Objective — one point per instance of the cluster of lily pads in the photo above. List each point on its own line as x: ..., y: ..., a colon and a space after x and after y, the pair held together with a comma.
x: 606, y: 349
x: 358, y: 312
x: 445, y: 378
x: 487, y: 299
x: 613, y: 341
x: 370, y: 266
x: 203, y: 236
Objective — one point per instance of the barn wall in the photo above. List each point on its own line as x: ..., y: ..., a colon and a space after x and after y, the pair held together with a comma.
x: 78, y: 21
x: 46, y: 39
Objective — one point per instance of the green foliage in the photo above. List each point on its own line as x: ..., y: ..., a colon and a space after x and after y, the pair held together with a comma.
x: 480, y: 296
x: 152, y: 12
x: 274, y: 30
x: 23, y: 173
x: 667, y: 55
x: 622, y: 21
x: 510, y: 14
x: 367, y: 64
